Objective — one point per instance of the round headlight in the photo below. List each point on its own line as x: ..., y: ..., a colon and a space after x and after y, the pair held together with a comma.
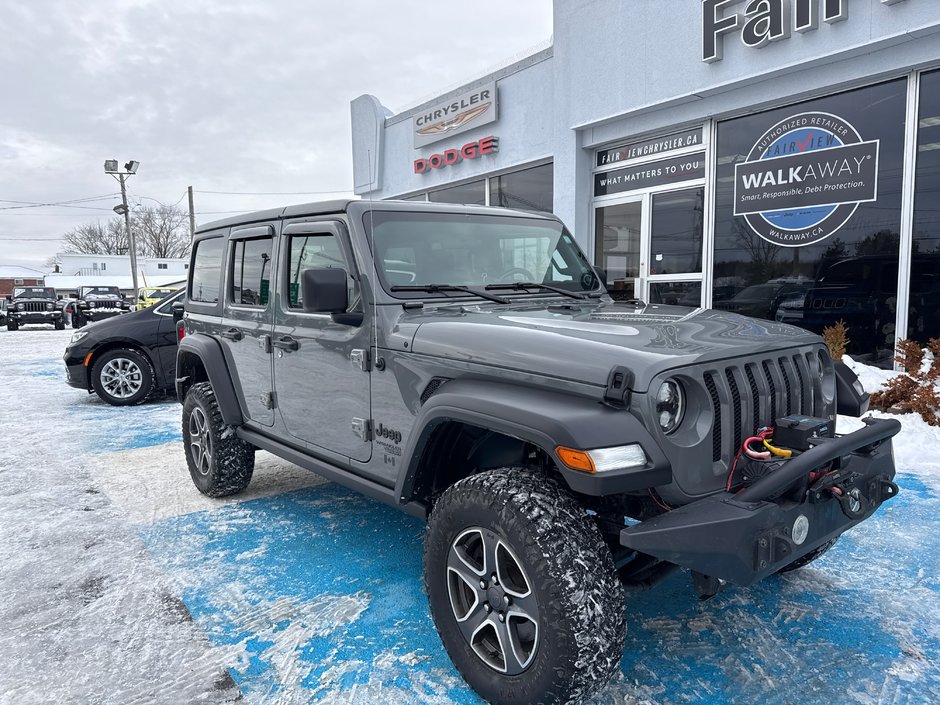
x: 49, y: 307
x: 20, y: 306
x: 670, y: 405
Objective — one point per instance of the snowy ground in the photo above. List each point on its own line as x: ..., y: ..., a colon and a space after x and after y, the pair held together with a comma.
x: 120, y: 584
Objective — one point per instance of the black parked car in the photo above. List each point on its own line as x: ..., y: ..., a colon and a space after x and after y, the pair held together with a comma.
x: 124, y: 360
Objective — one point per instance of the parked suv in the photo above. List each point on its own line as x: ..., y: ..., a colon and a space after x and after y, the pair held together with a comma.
x: 466, y: 365
x: 33, y: 304
x: 96, y: 303
x: 125, y: 360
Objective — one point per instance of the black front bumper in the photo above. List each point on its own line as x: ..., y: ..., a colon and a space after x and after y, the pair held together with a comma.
x: 30, y: 317
x: 744, y: 537
x: 100, y: 314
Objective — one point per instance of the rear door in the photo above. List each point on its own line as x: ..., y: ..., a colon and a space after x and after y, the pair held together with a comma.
x: 245, y: 331
x: 321, y: 367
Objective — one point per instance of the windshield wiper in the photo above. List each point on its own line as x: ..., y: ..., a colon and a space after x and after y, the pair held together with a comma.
x: 522, y: 286
x: 444, y: 288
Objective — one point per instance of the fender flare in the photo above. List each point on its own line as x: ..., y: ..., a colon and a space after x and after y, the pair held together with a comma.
x: 209, y: 352
x: 546, y: 419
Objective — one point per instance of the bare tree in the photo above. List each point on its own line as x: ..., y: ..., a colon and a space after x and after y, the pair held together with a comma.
x: 161, y: 231
x: 97, y: 238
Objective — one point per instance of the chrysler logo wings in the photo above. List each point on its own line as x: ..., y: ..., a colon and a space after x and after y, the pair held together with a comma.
x: 454, y: 123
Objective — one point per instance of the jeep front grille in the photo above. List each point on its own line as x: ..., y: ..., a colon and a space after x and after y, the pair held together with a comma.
x: 776, y: 387
x: 34, y: 306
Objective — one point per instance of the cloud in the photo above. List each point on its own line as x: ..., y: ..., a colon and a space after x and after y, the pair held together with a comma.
x: 246, y: 95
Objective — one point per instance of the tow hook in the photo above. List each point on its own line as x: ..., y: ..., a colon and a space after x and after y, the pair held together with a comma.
x: 707, y: 586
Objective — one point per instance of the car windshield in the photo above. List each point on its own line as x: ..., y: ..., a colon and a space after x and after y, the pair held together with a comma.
x: 100, y: 291
x: 34, y: 292
x: 158, y: 293
x: 422, y: 249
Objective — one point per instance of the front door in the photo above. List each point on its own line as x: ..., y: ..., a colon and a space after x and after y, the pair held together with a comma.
x: 651, y: 246
x: 321, y: 371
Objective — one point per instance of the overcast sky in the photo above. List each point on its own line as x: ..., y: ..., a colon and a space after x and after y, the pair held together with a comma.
x: 225, y: 95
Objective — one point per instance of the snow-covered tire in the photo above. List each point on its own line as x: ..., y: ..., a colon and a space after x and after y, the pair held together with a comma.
x: 809, y: 557
x: 556, y: 571
x: 220, y: 462
x: 123, y: 377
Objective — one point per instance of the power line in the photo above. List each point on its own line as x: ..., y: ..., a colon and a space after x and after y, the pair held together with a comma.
x: 65, y: 204
x: 272, y: 193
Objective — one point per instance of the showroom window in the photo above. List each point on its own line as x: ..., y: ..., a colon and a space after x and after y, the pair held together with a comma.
x: 473, y: 193
x: 808, y: 215
x: 923, y: 319
x: 528, y: 189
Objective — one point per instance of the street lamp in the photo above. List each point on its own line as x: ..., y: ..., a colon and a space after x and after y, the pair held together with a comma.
x: 111, y: 167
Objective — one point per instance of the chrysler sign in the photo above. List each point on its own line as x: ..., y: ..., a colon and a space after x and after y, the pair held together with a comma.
x: 804, y: 178
x: 463, y: 112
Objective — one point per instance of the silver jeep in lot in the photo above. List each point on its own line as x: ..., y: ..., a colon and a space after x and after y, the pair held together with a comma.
x: 466, y: 365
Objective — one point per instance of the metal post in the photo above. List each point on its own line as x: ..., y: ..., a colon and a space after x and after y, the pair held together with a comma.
x: 131, y: 240
x: 192, y: 215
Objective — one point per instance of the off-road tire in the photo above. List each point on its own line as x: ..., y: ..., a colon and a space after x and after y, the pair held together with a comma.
x: 227, y: 469
x: 77, y: 321
x: 59, y: 324
x: 809, y: 557
x: 12, y: 325
x: 139, y: 373
x: 569, y: 568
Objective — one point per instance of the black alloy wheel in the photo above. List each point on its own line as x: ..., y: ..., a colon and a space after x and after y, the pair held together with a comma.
x: 220, y: 463
x: 523, y: 589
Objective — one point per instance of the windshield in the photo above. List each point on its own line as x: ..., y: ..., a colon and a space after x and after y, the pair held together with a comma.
x: 157, y: 293
x: 100, y: 291
x: 34, y: 292
x: 420, y: 249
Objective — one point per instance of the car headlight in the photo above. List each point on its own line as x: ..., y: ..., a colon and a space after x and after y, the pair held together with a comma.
x: 50, y: 307
x: 77, y: 335
x: 670, y: 405
x: 20, y: 306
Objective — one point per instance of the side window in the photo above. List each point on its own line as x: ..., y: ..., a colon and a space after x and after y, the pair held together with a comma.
x: 207, y: 271
x: 251, y: 272
x: 309, y: 251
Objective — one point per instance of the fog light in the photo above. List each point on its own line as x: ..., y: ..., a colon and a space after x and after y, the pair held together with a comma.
x: 800, y: 530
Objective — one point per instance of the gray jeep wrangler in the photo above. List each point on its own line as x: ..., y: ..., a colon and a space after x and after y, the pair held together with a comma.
x: 466, y: 365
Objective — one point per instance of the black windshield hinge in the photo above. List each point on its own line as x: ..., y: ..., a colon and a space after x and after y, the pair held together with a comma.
x: 619, y: 382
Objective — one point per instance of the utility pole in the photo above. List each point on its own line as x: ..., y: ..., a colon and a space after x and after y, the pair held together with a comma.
x: 192, y: 216
x: 111, y: 167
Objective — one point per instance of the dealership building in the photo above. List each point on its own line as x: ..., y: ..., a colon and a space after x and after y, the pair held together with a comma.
x: 779, y: 158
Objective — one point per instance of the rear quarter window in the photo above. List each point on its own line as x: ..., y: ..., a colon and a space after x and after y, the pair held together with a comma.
x: 207, y: 271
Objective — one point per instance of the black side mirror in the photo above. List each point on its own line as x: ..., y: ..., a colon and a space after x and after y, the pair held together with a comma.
x: 178, y: 308
x: 601, y: 275
x: 324, y: 290
x: 851, y: 398
x: 9, y: 298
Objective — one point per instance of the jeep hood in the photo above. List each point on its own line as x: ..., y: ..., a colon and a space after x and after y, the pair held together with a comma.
x: 583, y: 342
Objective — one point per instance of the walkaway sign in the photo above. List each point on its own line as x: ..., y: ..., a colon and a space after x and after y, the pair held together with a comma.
x: 804, y: 178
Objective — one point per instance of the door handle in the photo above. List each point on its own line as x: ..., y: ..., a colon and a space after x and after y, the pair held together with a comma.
x: 232, y: 334
x: 287, y: 343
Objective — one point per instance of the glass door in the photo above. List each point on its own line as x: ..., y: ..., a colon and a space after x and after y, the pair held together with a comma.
x: 618, y: 238
x: 673, y: 260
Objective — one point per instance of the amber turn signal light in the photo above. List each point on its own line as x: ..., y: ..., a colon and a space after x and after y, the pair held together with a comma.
x: 576, y: 459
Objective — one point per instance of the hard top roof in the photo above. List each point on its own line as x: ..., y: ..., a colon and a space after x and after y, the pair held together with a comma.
x: 360, y: 206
